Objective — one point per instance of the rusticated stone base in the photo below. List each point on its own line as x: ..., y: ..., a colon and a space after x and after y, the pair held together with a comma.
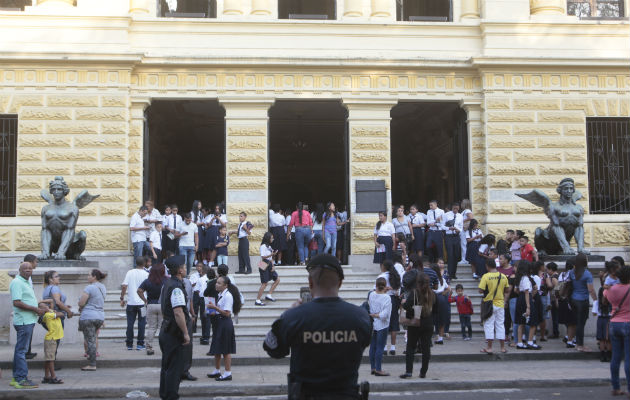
x: 62, y: 264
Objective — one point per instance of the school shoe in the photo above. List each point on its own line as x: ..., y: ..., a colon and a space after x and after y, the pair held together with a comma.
x: 533, y: 347
x: 521, y: 346
x: 223, y: 378
x: 406, y: 375
x: 188, y: 377
x: 439, y: 342
x: 239, y: 272
x: 570, y: 345
x: 392, y: 352
x: 270, y: 298
x: 204, y: 342
x: 475, y: 276
x: 423, y: 375
x: 259, y: 303
x: 150, y: 352
x: 213, y: 376
x: 129, y: 347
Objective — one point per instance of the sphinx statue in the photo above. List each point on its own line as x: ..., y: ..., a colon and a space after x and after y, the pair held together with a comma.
x: 59, y: 219
x: 566, y: 220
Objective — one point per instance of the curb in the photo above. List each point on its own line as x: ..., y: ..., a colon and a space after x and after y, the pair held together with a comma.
x: 203, y: 390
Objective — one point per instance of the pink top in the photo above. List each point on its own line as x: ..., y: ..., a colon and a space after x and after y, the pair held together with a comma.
x: 295, y: 221
x: 614, y: 296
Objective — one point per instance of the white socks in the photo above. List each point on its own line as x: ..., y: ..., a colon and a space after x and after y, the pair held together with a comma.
x: 392, y: 347
x: 226, y: 374
x: 216, y: 371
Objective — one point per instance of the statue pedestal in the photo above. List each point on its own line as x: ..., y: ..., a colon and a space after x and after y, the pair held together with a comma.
x: 63, y: 264
x: 563, y: 258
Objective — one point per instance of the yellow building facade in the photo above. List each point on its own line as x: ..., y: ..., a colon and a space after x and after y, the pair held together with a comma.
x: 80, y: 77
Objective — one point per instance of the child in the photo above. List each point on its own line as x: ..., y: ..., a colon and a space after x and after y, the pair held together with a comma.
x: 155, y: 243
x: 221, y: 246
x: 224, y: 340
x: 269, y: 273
x: 527, y: 250
x: 464, y: 309
x: 52, y: 320
x: 380, y: 309
x: 243, y: 232
x: 602, y: 308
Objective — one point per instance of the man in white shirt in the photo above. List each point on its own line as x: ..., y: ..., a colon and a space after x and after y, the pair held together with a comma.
x: 454, y: 223
x: 153, y: 216
x: 135, y: 305
x: 188, y: 240
x: 138, y: 231
x: 172, y: 223
x: 155, y: 243
x: 435, y: 235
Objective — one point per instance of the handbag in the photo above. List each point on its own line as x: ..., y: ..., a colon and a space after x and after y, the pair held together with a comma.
x: 486, y: 306
x: 620, y: 304
x: 263, y: 265
x: 417, y: 312
x: 366, y: 305
x: 565, y: 288
x: 312, y: 245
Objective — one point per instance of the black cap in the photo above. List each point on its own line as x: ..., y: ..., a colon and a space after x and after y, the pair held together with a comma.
x: 175, y: 262
x: 326, y: 261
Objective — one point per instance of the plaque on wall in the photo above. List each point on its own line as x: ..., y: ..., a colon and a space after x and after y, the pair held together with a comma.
x: 371, y: 196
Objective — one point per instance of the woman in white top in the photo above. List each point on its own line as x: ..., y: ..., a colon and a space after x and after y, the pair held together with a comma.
x: 223, y: 339
x: 384, y: 233
x: 393, y: 280
x: 318, y: 229
x: 473, y: 239
x: 277, y: 224
x: 526, y: 311
x: 443, y: 306
x: 290, y: 254
x: 216, y: 221
x: 268, y: 273
x: 417, y: 227
x: 467, y: 215
x: 381, y: 311
x: 197, y: 219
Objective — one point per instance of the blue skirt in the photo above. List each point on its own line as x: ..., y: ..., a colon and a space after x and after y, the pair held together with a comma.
x: 210, y: 238
x: 279, y: 238
x: 389, y: 246
x: 418, y: 242
x: 394, y: 324
x: 223, y: 340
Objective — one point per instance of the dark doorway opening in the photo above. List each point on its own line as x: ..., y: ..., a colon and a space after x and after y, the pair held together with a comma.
x: 184, y: 153
x: 307, y: 9
x: 429, y: 152
x: 424, y: 10
x: 308, y: 153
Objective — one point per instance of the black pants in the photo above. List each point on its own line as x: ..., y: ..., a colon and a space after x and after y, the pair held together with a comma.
x: 453, y: 250
x: 188, y: 350
x: 243, y: 255
x: 172, y: 365
x: 199, y: 305
x: 581, y: 315
x: 422, y: 335
x: 554, y: 318
x: 434, y: 237
x: 289, y: 254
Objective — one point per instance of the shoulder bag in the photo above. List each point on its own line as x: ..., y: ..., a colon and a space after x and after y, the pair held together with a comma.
x: 486, y: 306
x: 417, y: 313
x: 625, y: 296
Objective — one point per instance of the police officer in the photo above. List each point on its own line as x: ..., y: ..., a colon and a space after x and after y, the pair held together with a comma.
x: 326, y: 337
x: 174, y: 333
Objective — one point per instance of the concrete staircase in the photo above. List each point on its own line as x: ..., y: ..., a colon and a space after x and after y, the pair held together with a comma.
x: 255, y: 321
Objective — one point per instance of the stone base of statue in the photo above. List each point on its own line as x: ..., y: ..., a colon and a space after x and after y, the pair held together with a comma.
x: 565, y: 257
x: 63, y: 264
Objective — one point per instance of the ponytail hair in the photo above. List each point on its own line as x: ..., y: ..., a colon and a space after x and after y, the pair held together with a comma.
x: 236, y: 295
x: 379, y: 223
x: 394, y: 278
x: 473, y: 224
x: 48, y: 276
x: 98, y: 274
x: 299, y: 207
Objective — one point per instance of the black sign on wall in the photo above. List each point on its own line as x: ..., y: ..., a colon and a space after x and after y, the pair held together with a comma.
x: 371, y: 196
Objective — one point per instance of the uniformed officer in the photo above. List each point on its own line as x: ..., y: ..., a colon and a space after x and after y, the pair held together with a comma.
x: 174, y: 333
x: 326, y: 338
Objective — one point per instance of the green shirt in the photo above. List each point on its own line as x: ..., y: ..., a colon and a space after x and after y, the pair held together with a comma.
x: 21, y: 290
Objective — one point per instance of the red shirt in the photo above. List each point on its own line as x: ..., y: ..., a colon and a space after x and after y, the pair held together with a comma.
x: 295, y: 221
x: 464, y: 305
x: 527, y: 252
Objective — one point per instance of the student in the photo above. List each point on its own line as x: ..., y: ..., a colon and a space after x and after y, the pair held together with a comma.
x: 544, y: 284
x: 135, y: 305
x: 602, y: 308
x: 464, y: 309
x: 380, y: 309
x: 417, y: 225
x: 155, y: 243
x: 221, y: 246
x: 467, y: 216
x: 384, y: 233
x: 269, y: 273
x: 52, y: 321
x: 441, y: 271
x: 494, y: 286
x: 527, y: 250
x: 139, y: 230
x: 443, y: 308
x: 393, y: 280
x: 526, y: 311
x: 276, y: 227
x: 224, y: 340
x: 318, y: 229
x: 435, y: 235
x: 515, y: 247
x: 188, y: 235
x: 552, y: 272
x: 243, y: 232
x: 454, y: 225
x: 172, y: 223
x: 484, y: 253
x: 290, y: 254
x: 217, y: 221
x: 473, y: 239
x: 199, y: 281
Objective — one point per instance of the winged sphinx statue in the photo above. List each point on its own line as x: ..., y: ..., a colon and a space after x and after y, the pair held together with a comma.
x: 566, y: 220
x: 59, y: 219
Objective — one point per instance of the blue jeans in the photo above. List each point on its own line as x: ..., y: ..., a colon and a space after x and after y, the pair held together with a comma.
x: 23, y: 334
x: 302, y: 237
x: 189, y: 253
x: 222, y: 260
x: 620, y: 338
x: 132, y: 313
x: 317, y: 235
x: 512, y: 305
x: 379, y: 340
x: 465, y: 321
x: 138, y: 247
x: 331, y: 242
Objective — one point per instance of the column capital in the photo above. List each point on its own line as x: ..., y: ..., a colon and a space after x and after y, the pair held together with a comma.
x: 244, y: 109
x: 367, y: 109
x: 137, y: 102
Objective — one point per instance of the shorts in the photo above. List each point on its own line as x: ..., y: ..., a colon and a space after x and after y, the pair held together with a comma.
x: 267, y: 275
x: 602, y: 328
x: 50, y: 350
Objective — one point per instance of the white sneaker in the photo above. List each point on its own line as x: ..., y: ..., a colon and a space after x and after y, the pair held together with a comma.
x: 259, y: 303
x: 269, y: 297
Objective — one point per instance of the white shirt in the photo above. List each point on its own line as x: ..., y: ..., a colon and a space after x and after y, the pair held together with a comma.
x: 385, y: 275
x: 242, y: 233
x: 287, y: 221
x: 156, y: 239
x: 194, y: 281
x: 416, y: 219
x: 154, y: 216
x: 213, y: 222
x: 265, y: 250
x: 400, y: 269
x: 137, y: 222
x: 381, y: 304
x: 435, y: 216
x: 441, y: 288
x: 188, y: 240
x: 177, y: 298
x: 483, y: 248
x: 317, y: 226
x: 133, y: 280
x: 464, y: 216
x: 525, y: 284
x: 537, y: 281
x: 386, y: 229
x: 173, y: 221
x: 277, y: 220
x: 459, y: 222
x: 475, y: 232
x: 226, y: 301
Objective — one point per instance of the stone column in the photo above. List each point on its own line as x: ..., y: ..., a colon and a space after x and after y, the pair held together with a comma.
x: 382, y: 9
x: 477, y: 158
x: 369, y: 147
x: 469, y: 9
x: 139, y: 6
x: 263, y: 7
x: 55, y: 3
x: 353, y: 8
x: 232, y: 7
x: 548, y: 7
x: 247, y: 176
x: 135, y: 154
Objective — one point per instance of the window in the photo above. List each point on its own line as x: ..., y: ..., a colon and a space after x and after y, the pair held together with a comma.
x: 187, y: 8
x: 15, y: 5
x: 8, y: 157
x: 608, y: 142
x: 596, y: 8
x: 424, y: 10
x: 307, y: 9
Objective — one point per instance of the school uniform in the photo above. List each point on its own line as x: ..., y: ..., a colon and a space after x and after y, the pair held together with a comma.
x: 244, y: 264
x: 384, y: 237
x: 276, y: 227
x: 222, y: 251
x: 521, y: 305
x: 453, y: 241
x: 224, y: 339
x: 472, y: 247
x: 463, y: 234
x: 156, y: 240
x: 435, y: 235
x: 213, y: 231
x: 267, y: 275
x: 418, y: 233
x: 289, y: 254
x: 174, y: 222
